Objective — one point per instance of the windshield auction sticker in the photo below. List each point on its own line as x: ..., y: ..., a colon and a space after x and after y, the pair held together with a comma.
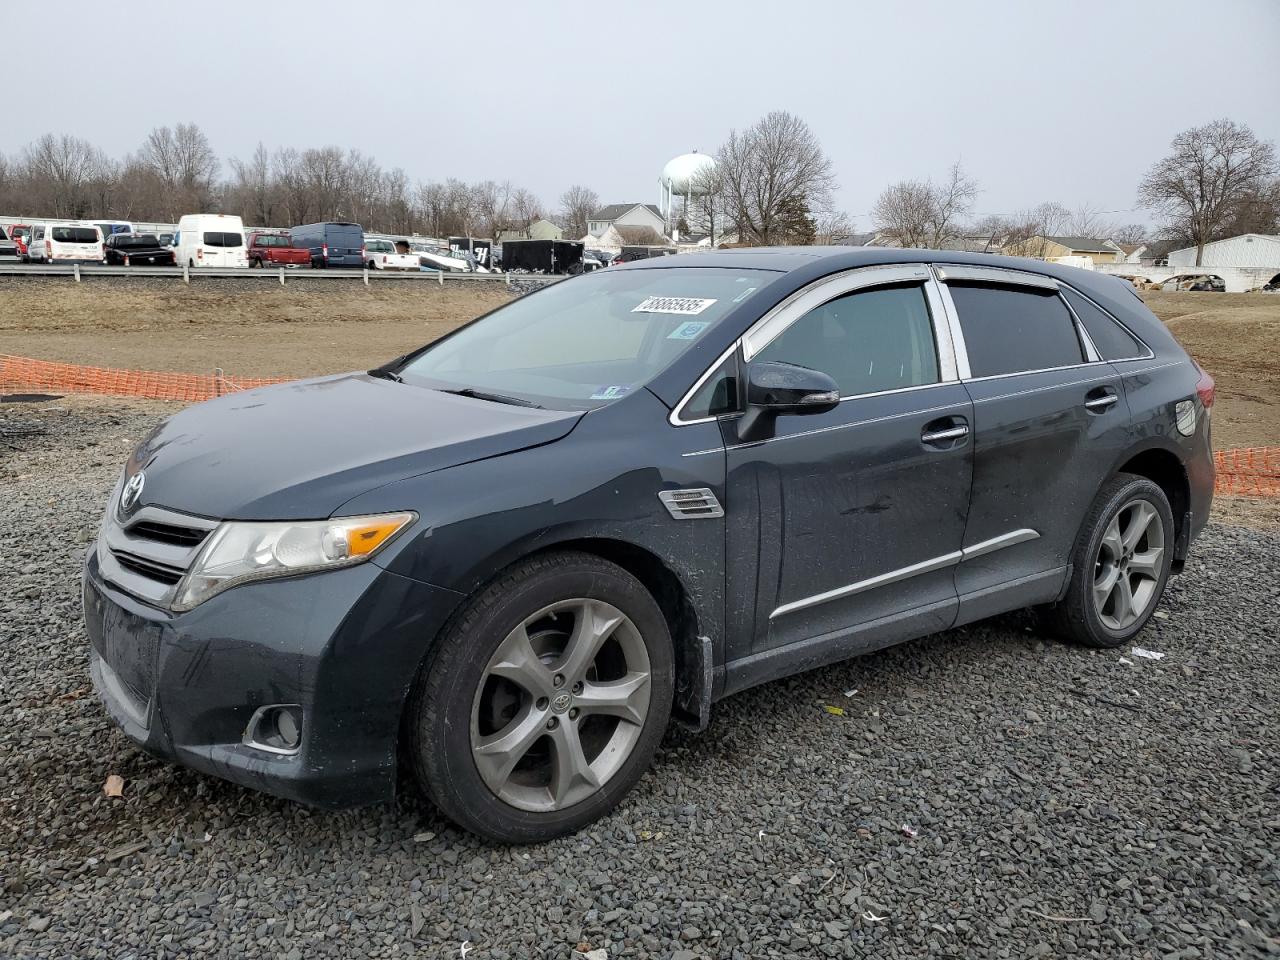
x: 684, y: 306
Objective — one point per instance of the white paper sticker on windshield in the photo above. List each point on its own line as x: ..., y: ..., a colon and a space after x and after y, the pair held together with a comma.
x: 684, y: 306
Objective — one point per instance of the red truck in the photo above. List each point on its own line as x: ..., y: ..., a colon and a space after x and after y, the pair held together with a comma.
x: 275, y: 250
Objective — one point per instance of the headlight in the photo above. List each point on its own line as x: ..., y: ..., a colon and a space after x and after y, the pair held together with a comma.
x: 237, y: 552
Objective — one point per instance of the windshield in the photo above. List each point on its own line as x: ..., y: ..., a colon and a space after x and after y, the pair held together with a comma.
x: 583, y: 342
x: 138, y: 240
x: 74, y: 234
x: 265, y: 240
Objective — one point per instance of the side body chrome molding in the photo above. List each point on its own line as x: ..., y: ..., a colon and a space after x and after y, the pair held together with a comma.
x: 906, y: 573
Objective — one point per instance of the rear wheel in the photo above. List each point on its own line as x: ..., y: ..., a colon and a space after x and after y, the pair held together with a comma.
x: 545, y: 700
x: 1120, y: 565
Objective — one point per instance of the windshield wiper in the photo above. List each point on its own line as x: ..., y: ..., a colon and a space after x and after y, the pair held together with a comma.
x: 382, y: 373
x: 475, y: 394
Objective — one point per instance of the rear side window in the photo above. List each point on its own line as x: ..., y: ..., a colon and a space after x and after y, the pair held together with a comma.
x: 1113, y: 341
x: 74, y: 235
x: 1015, y: 329
x: 220, y: 239
x: 868, y: 341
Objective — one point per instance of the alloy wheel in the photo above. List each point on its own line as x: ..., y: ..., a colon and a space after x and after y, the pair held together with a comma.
x: 561, y: 705
x: 1128, y: 566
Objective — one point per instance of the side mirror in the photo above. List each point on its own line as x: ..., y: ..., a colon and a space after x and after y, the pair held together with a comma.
x: 784, y: 388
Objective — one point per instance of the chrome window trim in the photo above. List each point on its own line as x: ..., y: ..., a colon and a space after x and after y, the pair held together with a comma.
x: 778, y: 320
x: 940, y: 562
x: 1091, y: 353
x: 674, y: 418
x: 961, y: 350
x: 780, y: 317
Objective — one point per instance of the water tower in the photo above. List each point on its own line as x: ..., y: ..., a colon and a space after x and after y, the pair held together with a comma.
x: 683, y: 177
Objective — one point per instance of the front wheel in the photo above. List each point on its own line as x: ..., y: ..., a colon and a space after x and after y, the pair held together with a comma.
x: 544, y: 701
x: 1120, y: 565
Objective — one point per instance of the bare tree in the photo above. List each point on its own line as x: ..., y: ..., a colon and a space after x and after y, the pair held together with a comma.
x: 767, y: 169
x: 183, y: 164
x: 921, y: 213
x: 1088, y: 221
x: 254, y: 188
x: 577, y: 204
x: 59, y: 169
x: 832, y: 226
x: 525, y: 207
x: 491, y: 202
x: 1131, y: 233
x: 1029, y: 232
x: 1211, y: 171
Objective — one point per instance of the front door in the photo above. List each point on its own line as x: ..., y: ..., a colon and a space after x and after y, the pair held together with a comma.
x: 845, y: 527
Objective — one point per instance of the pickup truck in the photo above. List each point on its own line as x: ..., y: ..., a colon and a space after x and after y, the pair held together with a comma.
x: 276, y: 250
x: 136, y: 249
x: 382, y: 254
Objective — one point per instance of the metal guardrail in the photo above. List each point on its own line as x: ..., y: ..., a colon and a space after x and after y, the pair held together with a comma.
x: 282, y: 275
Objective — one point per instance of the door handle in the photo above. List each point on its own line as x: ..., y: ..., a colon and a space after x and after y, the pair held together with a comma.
x: 942, y: 436
x: 1099, y: 400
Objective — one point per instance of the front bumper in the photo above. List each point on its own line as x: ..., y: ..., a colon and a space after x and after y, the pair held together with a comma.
x: 345, y: 645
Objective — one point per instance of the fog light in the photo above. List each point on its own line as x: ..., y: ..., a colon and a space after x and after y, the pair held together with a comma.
x: 276, y: 728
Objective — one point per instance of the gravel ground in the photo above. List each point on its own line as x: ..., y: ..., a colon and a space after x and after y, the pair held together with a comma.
x: 985, y: 793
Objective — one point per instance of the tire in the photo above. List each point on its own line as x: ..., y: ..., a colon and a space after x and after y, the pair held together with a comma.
x: 460, y: 705
x: 1120, y: 565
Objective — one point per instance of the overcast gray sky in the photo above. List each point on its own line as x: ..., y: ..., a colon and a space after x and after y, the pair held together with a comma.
x: 1066, y: 102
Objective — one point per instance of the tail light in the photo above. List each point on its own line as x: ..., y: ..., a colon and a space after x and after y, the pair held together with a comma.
x: 324, y: 251
x: 1205, y: 387
x: 199, y: 253
x: 384, y: 258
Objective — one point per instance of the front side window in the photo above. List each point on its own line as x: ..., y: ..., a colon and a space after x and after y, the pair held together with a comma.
x: 1014, y: 329
x: 584, y: 342
x: 868, y: 341
x: 1113, y: 341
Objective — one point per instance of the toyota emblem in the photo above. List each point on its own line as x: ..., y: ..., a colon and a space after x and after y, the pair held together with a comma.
x: 132, y: 491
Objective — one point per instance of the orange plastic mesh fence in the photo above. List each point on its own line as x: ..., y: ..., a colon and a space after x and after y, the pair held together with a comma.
x: 25, y: 373
x: 1249, y: 471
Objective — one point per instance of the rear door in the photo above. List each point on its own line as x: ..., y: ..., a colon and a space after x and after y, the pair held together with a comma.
x: 1050, y: 421
x: 845, y: 526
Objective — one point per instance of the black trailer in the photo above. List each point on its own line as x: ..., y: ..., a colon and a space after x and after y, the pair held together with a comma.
x: 542, y: 256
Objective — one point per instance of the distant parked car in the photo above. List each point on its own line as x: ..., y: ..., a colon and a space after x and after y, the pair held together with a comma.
x: 211, y: 240
x: 137, y: 249
x: 8, y: 249
x: 76, y: 242
x: 1213, y: 284
x: 331, y: 244
x: 380, y: 254
x: 275, y: 250
x: 168, y: 240
x: 110, y: 228
x: 19, y: 233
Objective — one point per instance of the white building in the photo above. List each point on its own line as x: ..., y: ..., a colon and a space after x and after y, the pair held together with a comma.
x: 1246, y: 250
x: 625, y: 215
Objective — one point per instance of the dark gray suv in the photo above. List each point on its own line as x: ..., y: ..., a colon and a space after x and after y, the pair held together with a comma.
x: 510, y: 558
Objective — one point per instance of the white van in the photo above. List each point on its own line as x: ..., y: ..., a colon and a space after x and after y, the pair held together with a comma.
x: 75, y: 241
x: 211, y: 240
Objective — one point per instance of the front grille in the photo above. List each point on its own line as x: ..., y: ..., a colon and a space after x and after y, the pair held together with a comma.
x: 148, y: 553
x: 148, y: 568
x: 168, y: 533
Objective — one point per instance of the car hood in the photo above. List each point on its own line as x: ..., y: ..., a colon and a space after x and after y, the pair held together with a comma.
x: 300, y: 450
